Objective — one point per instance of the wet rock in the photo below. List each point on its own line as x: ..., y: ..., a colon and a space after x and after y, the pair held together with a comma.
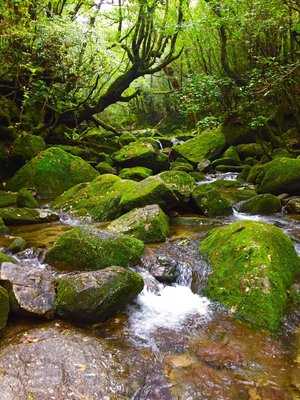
x: 281, y: 175
x: 135, y: 173
x: 95, y: 296
x: 178, y: 260
x: 293, y: 205
x: 229, y: 168
x: 265, y: 204
x: 253, y: 266
x: 52, y: 172
x: 31, y: 289
x: 206, y: 145
x: 4, y: 307
x: 26, y: 199
x: 149, y: 224
x: 20, y: 216
x: 82, y: 249
x: 181, y: 166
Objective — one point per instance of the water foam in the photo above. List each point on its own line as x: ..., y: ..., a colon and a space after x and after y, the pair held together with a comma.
x: 168, y: 309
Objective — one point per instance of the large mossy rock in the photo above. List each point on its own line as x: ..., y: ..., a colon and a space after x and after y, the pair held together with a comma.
x: 265, y: 204
x: 8, y: 199
x: 253, y: 265
x: 97, y: 295
x: 281, y: 175
x: 52, y: 172
x: 81, y: 249
x: 27, y: 146
x: 210, y: 202
x: 143, y: 153
x: 149, y: 224
x: 135, y: 173
x: 4, y: 307
x: 206, y: 145
x: 108, y: 196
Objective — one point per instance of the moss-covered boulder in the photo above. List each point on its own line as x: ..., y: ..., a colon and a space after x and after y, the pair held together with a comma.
x: 281, y: 175
x: 265, y: 204
x: 104, y: 167
x: 108, y: 196
x: 254, y: 150
x: 253, y: 265
x: 210, y: 202
x: 8, y: 199
x: 142, y: 153
x: 97, y: 295
x: 26, y: 199
x: 27, y: 146
x: 206, y: 145
x: 4, y: 307
x: 126, y: 138
x: 149, y: 224
x: 181, y: 166
x: 81, y: 249
x: 52, y: 172
x: 135, y: 173
x: 21, y: 216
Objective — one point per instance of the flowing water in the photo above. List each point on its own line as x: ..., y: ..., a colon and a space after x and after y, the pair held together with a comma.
x: 172, y: 343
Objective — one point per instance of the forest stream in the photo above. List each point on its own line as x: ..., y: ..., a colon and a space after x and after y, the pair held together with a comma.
x: 171, y: 343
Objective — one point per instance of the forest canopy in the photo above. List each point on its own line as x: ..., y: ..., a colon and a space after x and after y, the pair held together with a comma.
x: 197, y: 63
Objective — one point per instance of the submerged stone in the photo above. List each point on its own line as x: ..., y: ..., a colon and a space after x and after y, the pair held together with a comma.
x: 52, y: 172
x: 96, y: 296
x: 253, y: 265
x: 20, y: 216
x: 149, y: 224
x: 81, y: 249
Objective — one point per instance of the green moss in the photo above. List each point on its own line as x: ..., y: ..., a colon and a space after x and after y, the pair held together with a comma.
x: 27, y: 146
x: 281, y: 175
x: 26, y: 199
x: 5, y: 258
x: 253, y: 265
x: 210, y: 202
x: 250, y: 150
x: 135, y: 153
x: 95, y: 296
x: 262, y: 204
x: 3, y: 227
x: 126, y: 138
x: 135, y: 173
x: 204, y: 146
x: 104, y: 167
x: 181, y: 183
x: 4, y: 307
x: 17, y: 216
x: 149, y: 224
x: 232, y: 153
x: 8, y: 199
x: 81, y: 249
x: 52, y: 172
x: 181, y: 166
